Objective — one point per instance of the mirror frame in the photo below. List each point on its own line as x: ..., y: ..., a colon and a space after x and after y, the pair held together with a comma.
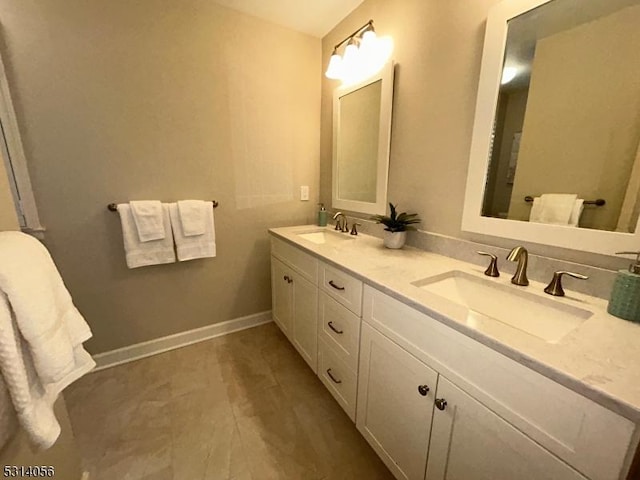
x: 590, y: 240
x: 384, y: 142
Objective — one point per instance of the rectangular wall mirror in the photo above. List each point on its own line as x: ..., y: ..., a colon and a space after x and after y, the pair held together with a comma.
x: 361, y: 141
x: 555, y: 155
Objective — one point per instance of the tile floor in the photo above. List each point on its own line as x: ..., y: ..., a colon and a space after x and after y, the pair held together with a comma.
x: 244, y: 406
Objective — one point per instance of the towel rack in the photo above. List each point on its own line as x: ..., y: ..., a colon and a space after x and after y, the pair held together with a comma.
x: 598, y: 203
x: 113, y: 207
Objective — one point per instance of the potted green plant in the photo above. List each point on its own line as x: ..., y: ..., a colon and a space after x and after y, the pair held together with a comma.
x: 396, y: 226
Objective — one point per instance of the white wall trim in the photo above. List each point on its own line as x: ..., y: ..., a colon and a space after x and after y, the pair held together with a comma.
x: 164, y: 344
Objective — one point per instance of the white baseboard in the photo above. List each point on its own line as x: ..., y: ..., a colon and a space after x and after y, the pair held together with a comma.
x: 164, y: 344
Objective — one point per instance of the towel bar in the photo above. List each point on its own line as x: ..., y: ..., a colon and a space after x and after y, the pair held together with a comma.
x: 598, y: 203
x: 113, y: 207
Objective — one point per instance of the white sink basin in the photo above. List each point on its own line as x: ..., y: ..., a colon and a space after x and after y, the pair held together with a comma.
x: 544, y: 318
x: 326, y: 236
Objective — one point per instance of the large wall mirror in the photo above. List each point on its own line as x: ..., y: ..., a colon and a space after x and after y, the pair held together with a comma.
x: 361, y: 141
x: 555, y: 155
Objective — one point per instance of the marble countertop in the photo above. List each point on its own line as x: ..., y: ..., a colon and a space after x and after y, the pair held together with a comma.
x: 600, y: 359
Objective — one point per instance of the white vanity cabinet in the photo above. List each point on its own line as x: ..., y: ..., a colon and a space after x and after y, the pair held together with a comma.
x: 501, y: 420
x: 468, y: 440
x: 395, y: 404
x: 318, y: 308
x: 295, y: 300
x: 433, y: 402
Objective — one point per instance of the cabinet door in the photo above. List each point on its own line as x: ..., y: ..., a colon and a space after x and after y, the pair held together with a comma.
x: 281, y: 295
x: 395, y: 404
x: 304, y: 334
x: 470, y: 441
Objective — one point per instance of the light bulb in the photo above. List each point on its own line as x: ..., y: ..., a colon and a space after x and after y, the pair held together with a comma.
x: 350, y: 55
x: 368, y: 40
x: 508, y: 74
x: 334, y: 70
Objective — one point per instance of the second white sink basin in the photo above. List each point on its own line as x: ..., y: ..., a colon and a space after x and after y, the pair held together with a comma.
x: 324, y: 236
x: 544, y: 318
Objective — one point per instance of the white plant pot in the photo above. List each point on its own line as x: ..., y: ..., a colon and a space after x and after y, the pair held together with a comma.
x: 394, y: 239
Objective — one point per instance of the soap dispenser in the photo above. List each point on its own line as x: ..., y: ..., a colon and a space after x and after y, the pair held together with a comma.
x: 322, y: 216
x: 625, y: 295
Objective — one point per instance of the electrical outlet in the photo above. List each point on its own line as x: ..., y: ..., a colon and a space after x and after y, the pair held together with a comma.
x: 304, y: 193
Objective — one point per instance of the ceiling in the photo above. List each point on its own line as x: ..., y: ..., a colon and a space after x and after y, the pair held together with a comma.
x: 314, y: 17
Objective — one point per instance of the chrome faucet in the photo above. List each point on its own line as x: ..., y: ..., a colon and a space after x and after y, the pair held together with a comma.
x: 520, y: 255
x: 341, y: 226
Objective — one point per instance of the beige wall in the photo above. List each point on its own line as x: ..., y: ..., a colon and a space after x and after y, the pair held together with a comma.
x: 582, y: 124
x: 63, y: 456
x: 153, y: 99
x: 438, y: 47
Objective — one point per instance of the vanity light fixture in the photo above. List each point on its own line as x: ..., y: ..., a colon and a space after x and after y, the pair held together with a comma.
x: 364, y: 55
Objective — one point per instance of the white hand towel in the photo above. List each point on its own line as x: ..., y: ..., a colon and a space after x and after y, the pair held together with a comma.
x: 200, y: 246
x: 193, y: 216
x: 578, y: 207
x: 149, y: 219
x: 553, y: 208
x: 41, y: 335
x: 141, y: 254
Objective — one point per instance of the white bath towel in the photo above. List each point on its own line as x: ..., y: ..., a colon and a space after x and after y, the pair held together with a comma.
x: 8, y: 419
x: 41, y: 335
x: 153, y: 252
x: 149, y: 219
x: 200, y: 246
x: 193, y: 216
x: 553, y: 208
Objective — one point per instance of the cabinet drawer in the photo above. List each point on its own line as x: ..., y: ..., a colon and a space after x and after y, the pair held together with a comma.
x: 304, y: 263
x: 586, y: 435
x: 342, y: 287
x: 338, y: 378
x: 339, y: 328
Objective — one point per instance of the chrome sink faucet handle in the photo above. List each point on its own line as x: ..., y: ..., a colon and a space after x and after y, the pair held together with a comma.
x: 520, y: 255
x: 555, y: 286
x: 492, y: 269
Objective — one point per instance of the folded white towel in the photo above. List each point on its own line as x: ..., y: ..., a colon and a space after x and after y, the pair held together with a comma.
x: 576, y: 212
x: 553, y: 208
x: 200, y: 246
x: 41, y: 335
x: 8, y: 420
x: 193, y: 216
x: 153, y: 252
x: 149, y: 219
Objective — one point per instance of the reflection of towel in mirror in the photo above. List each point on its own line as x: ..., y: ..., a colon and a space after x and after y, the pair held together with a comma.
x: 555, y: 208
x: 578, y: 206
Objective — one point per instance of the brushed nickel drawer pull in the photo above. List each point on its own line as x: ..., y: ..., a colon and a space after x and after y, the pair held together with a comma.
x: 335, y: 380
x: 339, y: 332
x: 335, y: 286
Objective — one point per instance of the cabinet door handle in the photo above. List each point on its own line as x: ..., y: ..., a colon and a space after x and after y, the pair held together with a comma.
x: 335, y: 380
x: 441, y: 403
x: 339, y: 332
x: 335, y: 286
x: 423, y: 390
x: 290, y: 280
x: 286, y: 278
